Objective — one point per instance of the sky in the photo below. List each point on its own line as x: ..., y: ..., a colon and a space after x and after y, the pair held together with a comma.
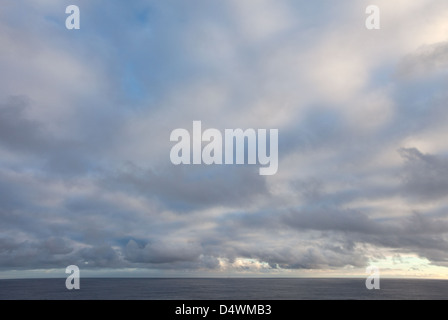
x: 86, y: 116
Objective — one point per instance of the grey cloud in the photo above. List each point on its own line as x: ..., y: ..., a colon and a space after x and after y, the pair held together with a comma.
x: 100, y: 256
x: 161, y: 252
x: 311, y: 189
x: 47, y: 253
x: 19, y: 133
x: 36, y: 145
x: 56, y: 253
x: 419, y: 223
x: 340, y: 233
x: 189, y: 187
x: 325, y: 253
x: 425, y: 60
x: 57, y: 246
x: 424, y: 175
x: 331, y: 219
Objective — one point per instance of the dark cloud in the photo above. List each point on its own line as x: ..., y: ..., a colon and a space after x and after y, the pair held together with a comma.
x: 33, y: 141
x: 424, y: 175
x: 425, y: 60
x: 161, y: 252
x: 102, y: 256
x: 330, y: 219
x: 185, y: 188
x: 49, y: 253
x: 19, y: 133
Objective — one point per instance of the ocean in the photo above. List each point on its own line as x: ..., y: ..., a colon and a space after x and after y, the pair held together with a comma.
x: 222, y: 289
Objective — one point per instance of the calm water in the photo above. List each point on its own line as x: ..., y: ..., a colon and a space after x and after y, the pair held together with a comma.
x: 223, y: 289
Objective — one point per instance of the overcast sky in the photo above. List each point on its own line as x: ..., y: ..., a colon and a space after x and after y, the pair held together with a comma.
x: 86, y: 117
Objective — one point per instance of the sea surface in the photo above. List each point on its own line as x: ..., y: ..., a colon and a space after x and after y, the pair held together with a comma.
x: 222, y: 289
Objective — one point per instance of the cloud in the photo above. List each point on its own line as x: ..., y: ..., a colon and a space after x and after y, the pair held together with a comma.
x: 165, y: 252
x: 330, y: 219
x: 185, y: 188
x: 85, y: 119
x: 18, y: 132
x: 427, y: 59
x: 423, y: 175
